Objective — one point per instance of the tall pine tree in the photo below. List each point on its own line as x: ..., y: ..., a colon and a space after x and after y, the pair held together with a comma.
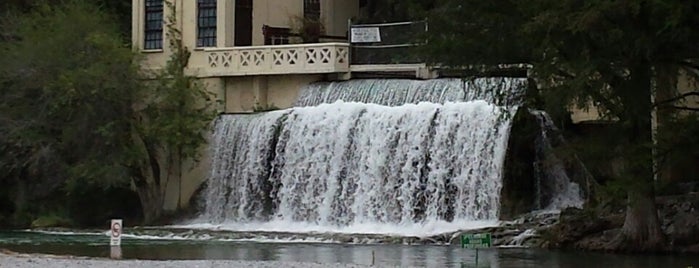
x: 605, y: 53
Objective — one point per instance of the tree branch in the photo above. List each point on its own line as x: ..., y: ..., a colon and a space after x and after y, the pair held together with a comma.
x: 685, y: 108
x: 609, y: 78
x: 682, y: 96
x: 689, y: 64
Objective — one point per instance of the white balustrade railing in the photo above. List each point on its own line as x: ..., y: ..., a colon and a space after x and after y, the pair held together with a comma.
x: 278, y: 59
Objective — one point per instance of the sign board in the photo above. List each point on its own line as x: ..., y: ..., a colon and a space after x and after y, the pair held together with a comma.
x: 476, y: 241
x: 365, y: 35
x: 115, y: 233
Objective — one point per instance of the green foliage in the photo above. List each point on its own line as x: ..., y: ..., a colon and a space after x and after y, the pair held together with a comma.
x: 577, y: 48
x: 182, y: 109
x: 603, y: 53
x: 77, y: 118
x: 678, y: 148
x: 613, y: 55
x: 68, y: 82
x: 172, y: 119
x: 51, y: 221
x: 67, y: 92
x: 377, y: 11
x: 120, y: 10
x: 307, y: 28
x: 90, y: 203
x: 476, y: 32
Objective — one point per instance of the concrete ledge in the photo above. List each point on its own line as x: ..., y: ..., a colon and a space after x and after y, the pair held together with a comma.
x: 417, y: 70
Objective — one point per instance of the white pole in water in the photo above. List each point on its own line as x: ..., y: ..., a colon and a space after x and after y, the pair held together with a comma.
x: 116, y: 229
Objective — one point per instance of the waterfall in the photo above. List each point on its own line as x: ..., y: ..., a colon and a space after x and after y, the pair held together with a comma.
x: 393, y: 92
x: 555, y: 190
x: 241, y: 147
x: 344, y: 164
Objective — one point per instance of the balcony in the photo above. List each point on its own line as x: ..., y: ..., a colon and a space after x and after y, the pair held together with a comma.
x: 315, y: 58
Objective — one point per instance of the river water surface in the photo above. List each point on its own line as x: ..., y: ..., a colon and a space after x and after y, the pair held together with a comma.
x: 178, y: 248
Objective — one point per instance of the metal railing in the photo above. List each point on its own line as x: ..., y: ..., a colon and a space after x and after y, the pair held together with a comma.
x: 386, y: 43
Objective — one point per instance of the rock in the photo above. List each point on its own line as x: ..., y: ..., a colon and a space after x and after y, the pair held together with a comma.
x: 691, y: 249
x: 581, y: 229
x: 50, y: 221
x: 518, y: 194
x: 524, y: 231
x: 576, y: 225
x: 680, y: 219
x: 684, y: 230
x: 597, y: 241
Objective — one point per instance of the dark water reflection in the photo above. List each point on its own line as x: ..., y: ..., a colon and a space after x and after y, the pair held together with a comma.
x: 383, y: 255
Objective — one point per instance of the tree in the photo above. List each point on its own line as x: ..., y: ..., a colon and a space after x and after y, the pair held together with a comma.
x: 170, y: 126
x: 120, y: 9
x: 378, y: 11
x: 75, y: 108
x: 68, y: 83
x: 605, y: 53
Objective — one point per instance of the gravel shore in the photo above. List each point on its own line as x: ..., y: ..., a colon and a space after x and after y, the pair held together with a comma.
x: 14, y: 260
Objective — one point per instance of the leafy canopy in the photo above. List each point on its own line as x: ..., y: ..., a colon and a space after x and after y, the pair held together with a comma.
x: 68, y: 83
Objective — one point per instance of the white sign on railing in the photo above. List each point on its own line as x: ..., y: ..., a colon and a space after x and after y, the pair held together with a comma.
x: 365, y: 35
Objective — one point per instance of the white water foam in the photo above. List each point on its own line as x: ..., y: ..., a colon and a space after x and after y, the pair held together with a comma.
x: 417, y: 230
x: 415, y: 169
x: 188, y: 236
x: 563, y: 192
x: 395, y: 92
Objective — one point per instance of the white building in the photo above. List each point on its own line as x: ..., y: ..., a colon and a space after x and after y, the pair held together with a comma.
x: 254, y: 53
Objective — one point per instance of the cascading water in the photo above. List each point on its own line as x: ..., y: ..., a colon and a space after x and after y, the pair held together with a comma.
x: 344, y: 165
x: 399, y: 157
x: 555, y: 189
x: 393, y: 92
x: 240, y: 148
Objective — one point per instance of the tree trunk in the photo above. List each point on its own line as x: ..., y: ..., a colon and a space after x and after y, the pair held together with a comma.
x: 178, y: 166
x: 151, y: 203
x: 149, y: 190
x: 641, y: 231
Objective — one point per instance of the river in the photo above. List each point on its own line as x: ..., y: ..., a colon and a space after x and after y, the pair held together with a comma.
x: 152, y: 247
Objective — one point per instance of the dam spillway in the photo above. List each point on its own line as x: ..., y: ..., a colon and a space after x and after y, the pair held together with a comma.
x: 366, y: 156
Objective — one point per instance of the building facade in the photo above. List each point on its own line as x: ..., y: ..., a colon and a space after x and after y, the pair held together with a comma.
x: 250, y: 53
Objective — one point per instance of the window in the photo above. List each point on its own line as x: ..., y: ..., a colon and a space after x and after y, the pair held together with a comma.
x: 153, y: 30
x: 276, y: 35
x: 311, y: 9
x: 206, y: 23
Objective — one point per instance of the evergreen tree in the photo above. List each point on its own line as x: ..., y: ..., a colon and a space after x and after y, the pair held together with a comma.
x: 606, y: 53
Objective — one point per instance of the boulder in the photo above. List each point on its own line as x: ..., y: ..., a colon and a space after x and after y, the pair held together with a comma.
x: 579, y: 228
x: 680, y: 218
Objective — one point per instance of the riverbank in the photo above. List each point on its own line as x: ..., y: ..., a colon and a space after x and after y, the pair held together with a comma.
x: 593, y: 230
x: 17, y: 260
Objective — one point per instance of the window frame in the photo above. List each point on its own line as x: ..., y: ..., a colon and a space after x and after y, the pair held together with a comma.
x: 276, y: 35
x: 206, y: 23
x: 153, y: 24
x: 311, y: 9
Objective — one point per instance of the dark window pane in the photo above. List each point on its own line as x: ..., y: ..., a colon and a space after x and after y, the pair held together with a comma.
x: 153, y: 28
x: 311, y: 9
x: 206, y: 23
